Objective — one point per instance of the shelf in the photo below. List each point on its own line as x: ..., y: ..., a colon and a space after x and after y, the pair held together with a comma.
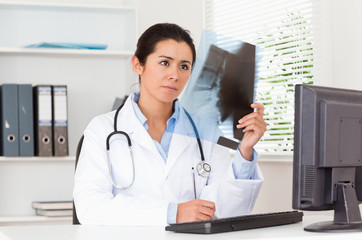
x: 56, y: 51
x: 64, y: 5
x: 32, y: 23
x: 33, y: 220
x: 37, y: 159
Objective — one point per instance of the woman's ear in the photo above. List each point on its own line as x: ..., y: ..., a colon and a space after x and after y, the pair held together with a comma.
x: 137, y: 67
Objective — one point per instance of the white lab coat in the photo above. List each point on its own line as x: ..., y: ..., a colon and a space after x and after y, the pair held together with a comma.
x: 156, y: 183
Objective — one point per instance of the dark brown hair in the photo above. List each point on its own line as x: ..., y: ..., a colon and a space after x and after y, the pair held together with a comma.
x: 159, y: 32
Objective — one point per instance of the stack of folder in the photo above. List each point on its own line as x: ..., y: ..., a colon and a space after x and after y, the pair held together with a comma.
x: 33, y: 120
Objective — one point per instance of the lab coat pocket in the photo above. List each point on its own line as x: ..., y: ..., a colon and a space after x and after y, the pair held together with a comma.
x: 232, y: 197
x: 198, y: 184
x: 189, y: 187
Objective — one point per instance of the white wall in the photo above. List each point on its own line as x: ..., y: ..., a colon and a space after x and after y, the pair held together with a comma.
x: 340, y: 35
x: 347, y: 38
x: 275, y: 194
x: 186, y: 13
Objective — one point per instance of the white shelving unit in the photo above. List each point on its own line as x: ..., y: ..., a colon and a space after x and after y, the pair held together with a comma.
x: 94, y: 79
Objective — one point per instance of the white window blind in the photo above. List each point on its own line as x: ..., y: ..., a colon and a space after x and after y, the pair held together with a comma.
x: 284, y: 30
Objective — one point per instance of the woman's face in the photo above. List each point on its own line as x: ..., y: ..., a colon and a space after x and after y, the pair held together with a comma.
x: 166, y: 71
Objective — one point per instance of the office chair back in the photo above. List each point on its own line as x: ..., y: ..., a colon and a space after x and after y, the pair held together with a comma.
x: 79, y: 148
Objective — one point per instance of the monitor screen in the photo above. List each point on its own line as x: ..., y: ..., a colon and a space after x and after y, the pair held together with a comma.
x: 327, y: 161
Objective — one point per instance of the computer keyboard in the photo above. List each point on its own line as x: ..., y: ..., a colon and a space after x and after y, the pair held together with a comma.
x: 238, y: 223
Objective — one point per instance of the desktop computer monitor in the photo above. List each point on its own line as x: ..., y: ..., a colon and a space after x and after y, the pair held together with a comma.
x: 327, y: 161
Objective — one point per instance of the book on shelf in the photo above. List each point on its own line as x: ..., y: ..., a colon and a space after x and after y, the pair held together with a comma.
x: 52, y: 205
x: 54, y: 213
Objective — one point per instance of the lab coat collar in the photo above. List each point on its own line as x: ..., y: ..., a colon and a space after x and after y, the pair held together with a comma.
x: 182, y: 137
x: 128, y: 122
x: 142, y: 118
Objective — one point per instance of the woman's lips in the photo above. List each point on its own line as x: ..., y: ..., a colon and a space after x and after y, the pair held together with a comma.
x: 169, y: 88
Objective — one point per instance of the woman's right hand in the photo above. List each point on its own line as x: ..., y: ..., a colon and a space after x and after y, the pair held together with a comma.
x: 195, y: 210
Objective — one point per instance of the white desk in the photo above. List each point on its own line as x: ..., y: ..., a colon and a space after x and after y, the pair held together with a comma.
x: 70, y: 232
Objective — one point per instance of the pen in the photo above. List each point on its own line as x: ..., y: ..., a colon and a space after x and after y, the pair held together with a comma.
x: 193, y: 176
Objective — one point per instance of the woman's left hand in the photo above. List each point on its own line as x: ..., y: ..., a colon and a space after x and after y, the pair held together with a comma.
x: 254, y: 127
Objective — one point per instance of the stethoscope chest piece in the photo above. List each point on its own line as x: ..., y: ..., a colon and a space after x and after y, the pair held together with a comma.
x: 203, y: 169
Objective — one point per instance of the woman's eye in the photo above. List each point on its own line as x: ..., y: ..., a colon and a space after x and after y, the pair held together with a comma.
x: 184, y: 67
x: 164, y: 63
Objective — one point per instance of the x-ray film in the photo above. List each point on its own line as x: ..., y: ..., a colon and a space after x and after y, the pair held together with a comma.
x: 221, y: 86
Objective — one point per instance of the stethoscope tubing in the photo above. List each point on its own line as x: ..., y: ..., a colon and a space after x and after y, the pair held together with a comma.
x: 204, y: 171
x: 111, y: 175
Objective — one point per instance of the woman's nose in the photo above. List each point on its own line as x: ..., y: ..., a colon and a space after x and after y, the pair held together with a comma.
x: 173, y: 74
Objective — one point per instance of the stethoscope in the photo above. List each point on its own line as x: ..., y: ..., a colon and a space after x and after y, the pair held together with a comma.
x: 202, y: 168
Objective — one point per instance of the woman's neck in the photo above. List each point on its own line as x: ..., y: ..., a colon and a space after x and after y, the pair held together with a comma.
x: 155, y: 110
x: 157, y: 114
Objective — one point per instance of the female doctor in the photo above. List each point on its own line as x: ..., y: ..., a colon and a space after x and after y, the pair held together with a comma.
x: 166, y: 175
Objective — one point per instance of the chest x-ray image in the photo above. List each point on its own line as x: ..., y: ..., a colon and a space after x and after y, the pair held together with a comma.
x: 221, y: 86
